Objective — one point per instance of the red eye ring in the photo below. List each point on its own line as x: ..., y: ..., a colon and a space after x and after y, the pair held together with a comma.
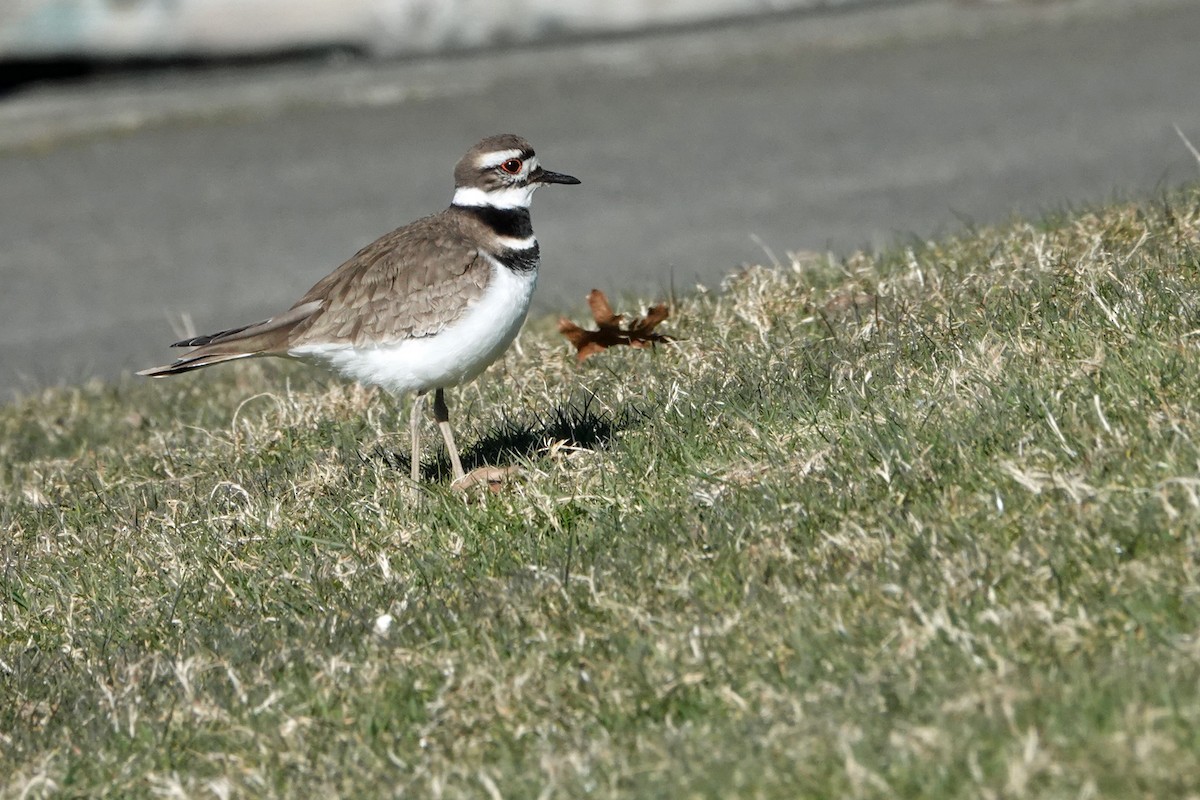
x: 512, y: 166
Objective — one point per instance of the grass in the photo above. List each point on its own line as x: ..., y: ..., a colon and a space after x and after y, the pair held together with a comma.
x: 921, y: 524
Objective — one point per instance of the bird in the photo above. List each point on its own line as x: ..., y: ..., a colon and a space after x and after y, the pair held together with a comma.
x: 421, y: 309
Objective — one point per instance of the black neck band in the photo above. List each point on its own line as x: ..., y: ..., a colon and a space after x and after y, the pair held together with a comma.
x: 510, y: 222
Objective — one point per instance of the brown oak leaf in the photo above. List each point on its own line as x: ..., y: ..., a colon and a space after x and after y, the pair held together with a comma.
x: 639, y: 332
x: 494, y: 478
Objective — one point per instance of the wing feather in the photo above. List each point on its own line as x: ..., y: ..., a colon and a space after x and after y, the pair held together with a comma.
x: 409, y: 283
x: 412, y: 282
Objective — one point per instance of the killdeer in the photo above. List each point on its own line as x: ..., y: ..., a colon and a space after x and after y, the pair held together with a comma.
x: 425, y: 307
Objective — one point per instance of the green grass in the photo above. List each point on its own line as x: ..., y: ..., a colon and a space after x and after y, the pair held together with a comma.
x: 921, y: 525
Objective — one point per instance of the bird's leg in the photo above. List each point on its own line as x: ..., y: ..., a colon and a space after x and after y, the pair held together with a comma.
x: 442, y: 415
x: 414, y: 424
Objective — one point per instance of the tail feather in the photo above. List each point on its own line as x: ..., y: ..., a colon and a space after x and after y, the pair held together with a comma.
x: 200, y: 341
x: 189, y: 363
x: 260, y: 339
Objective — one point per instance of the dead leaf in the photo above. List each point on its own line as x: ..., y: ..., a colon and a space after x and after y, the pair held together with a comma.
x: 638, y: 333
x: 494, y: 478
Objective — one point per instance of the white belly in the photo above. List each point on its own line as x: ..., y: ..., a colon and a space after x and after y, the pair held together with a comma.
x: 456, y: 355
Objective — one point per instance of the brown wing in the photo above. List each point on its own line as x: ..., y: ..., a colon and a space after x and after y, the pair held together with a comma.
x: 411, y: 282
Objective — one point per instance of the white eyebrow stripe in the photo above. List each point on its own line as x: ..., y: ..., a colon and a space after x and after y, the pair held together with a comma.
x: 510, y: 243
x: 499, y: 157
x: 510, y: 197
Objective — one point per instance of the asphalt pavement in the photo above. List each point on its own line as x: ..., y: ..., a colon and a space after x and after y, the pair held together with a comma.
x: 130, y: 205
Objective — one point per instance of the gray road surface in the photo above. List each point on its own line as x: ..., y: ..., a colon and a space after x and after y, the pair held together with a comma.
x: 696, y: 150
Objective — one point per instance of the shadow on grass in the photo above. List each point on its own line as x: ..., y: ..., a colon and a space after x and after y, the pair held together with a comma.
x: 577, y: 424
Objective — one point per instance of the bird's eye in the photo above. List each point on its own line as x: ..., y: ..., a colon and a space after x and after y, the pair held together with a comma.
x: 512, y: 166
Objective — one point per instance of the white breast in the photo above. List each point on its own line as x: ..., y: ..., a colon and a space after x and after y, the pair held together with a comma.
x: 456, y: 355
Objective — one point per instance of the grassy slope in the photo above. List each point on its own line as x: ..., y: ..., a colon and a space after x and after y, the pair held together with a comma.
x: 922, y: 525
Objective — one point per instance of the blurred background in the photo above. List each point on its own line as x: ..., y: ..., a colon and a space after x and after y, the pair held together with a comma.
x: 169, y: 165
x: 206, y: 28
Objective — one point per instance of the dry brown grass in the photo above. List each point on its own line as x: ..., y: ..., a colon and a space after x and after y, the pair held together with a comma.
x: 916, y: 525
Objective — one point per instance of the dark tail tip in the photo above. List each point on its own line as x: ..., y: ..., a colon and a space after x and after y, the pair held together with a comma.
x: 188, y: 363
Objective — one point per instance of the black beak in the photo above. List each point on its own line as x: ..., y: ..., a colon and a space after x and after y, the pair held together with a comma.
x: 543, y: 176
